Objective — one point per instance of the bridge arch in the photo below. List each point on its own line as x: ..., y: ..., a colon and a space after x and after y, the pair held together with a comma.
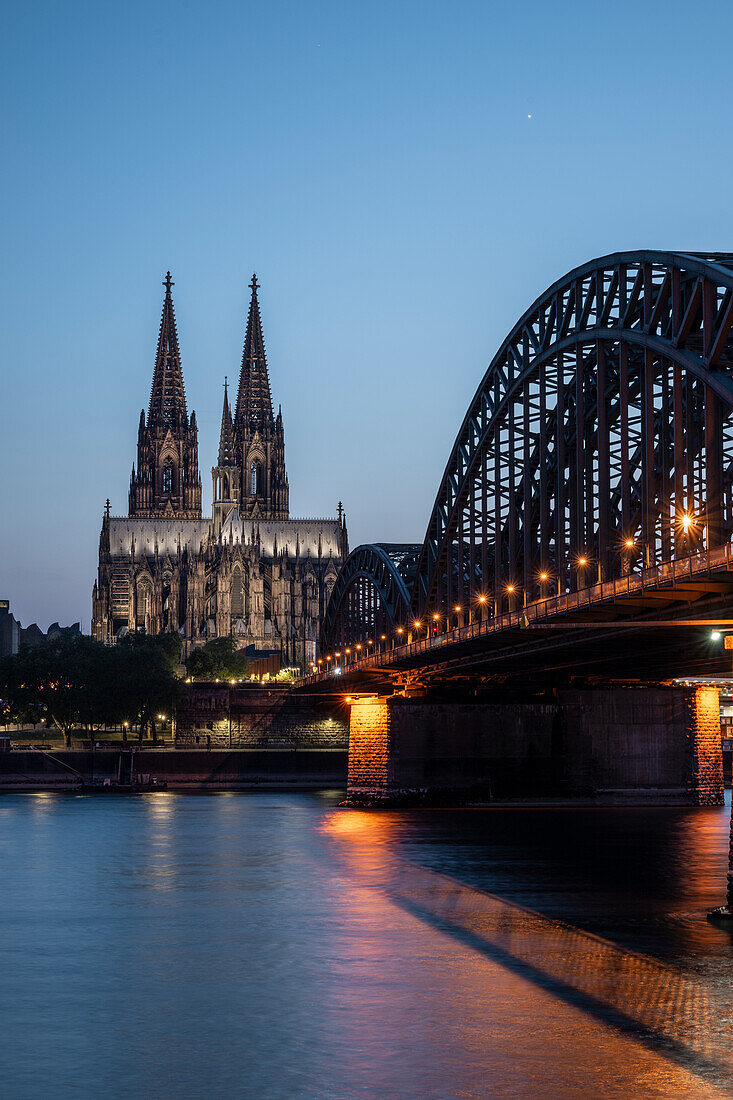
x: 371, y: 595
x: 600, y: 435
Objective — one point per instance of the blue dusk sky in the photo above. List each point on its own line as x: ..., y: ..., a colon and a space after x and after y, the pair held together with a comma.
x: 405, y: 178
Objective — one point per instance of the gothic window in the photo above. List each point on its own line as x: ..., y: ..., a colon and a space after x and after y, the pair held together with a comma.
x: 237, y: 594
x: 226, y: 487
x: 144, y: 604
x: 168, y: 477
x: 253, y: 479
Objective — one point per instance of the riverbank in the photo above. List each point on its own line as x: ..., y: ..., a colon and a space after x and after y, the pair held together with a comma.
x: 180, y: 769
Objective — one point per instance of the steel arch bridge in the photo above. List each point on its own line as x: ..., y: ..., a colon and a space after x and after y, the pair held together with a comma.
x: 371, y: 595
x: 601, y: 432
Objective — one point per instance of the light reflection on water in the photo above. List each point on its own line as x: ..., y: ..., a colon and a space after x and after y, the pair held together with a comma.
x: 271, y: 945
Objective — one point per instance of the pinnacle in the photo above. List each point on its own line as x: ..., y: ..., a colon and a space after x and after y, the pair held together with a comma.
x: 226, y: 438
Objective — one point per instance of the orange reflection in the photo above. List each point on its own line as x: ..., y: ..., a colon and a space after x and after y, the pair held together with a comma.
x: 557, y: 972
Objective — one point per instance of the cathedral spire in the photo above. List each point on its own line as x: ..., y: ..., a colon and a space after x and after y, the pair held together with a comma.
x: 167, y: 481
x: 254, y: 404
x: 167, y: 396
x: 227, y: 456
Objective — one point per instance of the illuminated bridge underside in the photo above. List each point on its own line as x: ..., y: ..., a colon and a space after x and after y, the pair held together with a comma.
x: 675, y: 607
x: 604, y: 418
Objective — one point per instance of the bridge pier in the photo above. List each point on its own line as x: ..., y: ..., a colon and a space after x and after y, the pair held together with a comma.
x: 706, y: 749
x: 657, y: 744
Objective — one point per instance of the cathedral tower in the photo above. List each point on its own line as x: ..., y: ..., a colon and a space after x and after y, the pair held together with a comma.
x: 258, y: 435
x: 167, y: 481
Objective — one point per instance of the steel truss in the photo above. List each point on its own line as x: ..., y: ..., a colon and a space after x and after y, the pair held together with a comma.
x: 601, y: 432
x: 600, y: 438
x: 371, y: 595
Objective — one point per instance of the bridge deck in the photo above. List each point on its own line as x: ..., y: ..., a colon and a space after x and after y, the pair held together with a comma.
x: 608, y: 627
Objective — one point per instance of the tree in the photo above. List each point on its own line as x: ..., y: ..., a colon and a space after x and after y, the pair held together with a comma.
x: 146, y: 681
x: 64, y: 678
x: 218, y: 659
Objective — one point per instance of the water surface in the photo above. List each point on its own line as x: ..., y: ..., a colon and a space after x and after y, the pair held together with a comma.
x: 272, y: 945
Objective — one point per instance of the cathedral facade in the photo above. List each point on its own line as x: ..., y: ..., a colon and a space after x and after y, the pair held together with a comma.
x: 249, y: 572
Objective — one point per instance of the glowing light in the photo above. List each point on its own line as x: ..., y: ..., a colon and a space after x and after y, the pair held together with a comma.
x: 457, y: 608
x: 715, y: 635
x: 482, y: 599
x: 400, y: 630
x: 543, y: 576
x: 688, y: 521
x: 629, y: 544
x: 417, y: 624
x: 510, y: 588
x: 436, y: 617
x: 384, y: 638
x: 348, y: 698
x: 582, y: 562
x: 232, y: 681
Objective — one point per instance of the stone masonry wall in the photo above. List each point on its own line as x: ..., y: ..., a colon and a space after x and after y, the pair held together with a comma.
x: 705, y: 746
x: 662, y: 743
x: 223, y: 716
x: 369, y: 750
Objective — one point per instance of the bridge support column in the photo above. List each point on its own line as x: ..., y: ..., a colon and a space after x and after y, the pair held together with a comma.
x: 705, y: 746
x: 371, y: 765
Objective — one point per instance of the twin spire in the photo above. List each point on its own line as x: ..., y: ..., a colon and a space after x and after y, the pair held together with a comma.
x: 167, y: 395
x: 254, y: 404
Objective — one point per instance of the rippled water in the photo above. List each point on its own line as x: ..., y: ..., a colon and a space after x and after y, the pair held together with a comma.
x: 272, y: 945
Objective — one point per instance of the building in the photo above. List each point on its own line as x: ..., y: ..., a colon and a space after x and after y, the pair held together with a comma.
x: 249, y: 571
x: 9, y: 630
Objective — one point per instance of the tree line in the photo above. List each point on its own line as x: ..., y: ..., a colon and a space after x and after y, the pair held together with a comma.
x: 72, y: 681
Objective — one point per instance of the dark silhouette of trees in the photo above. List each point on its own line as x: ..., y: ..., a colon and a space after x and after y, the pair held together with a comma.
x: 71, y: 681
x: 219, y: 659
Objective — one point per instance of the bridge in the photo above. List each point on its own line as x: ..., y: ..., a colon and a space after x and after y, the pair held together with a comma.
x: 581, y: 532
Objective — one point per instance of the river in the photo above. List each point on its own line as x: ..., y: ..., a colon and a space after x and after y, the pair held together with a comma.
x: 271, y: 945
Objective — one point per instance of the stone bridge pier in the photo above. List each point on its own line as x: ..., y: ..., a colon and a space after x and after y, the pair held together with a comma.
x: 660, y: 744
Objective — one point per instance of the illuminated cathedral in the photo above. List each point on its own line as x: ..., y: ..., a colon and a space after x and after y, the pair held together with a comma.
x: 249, y: 571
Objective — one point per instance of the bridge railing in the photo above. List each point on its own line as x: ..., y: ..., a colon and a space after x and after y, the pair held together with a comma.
x: 663, y: 575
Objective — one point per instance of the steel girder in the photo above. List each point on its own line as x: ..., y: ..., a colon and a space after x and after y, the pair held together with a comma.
x: 371, y: 594
x: 604, y: 418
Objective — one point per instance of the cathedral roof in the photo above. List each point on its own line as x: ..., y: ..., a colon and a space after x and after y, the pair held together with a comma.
x: 170, y: 534
x: 167, y: 396
x: 254, y: 403
x: 296, y: 537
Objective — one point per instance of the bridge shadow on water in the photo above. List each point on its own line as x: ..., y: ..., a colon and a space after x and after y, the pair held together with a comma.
x: 602, y: 909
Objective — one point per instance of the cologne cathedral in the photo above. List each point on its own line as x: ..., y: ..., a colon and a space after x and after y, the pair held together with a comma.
x: 249, y: 571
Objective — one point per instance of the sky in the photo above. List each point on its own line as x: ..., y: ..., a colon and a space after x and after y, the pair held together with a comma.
x: 405, y: 178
